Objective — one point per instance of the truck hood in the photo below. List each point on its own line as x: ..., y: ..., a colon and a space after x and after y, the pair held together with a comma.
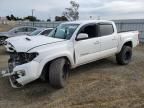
x: 25, y: 43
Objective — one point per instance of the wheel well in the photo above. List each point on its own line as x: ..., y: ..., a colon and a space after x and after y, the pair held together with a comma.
x: 129, y: 43
x: 45, y: 71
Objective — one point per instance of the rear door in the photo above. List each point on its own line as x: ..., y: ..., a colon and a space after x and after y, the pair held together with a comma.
x: 108, y: 38
x: 86, y: 50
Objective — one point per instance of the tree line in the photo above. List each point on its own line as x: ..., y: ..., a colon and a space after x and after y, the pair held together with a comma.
x: 69, y: 14
x: 13, y: 18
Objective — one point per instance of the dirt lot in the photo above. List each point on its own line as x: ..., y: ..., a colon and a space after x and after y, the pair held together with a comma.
x: 101, y: 84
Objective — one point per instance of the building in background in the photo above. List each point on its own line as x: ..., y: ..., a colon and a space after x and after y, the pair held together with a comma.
x: 3, y: 20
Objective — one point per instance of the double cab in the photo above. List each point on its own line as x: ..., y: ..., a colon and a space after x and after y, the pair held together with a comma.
x: 68, y: 46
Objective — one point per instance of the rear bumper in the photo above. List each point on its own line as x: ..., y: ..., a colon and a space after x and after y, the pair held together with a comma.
x: 23, y: 74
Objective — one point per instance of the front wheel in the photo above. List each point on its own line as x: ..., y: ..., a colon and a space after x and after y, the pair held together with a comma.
x: 125, y: 55
x: 58, y: 72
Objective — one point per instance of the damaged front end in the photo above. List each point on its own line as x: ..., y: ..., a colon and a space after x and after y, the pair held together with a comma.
x: 20, y: 66
x: 13, y: 76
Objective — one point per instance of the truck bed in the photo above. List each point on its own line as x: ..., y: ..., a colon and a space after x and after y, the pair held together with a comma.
x: 132, y: 35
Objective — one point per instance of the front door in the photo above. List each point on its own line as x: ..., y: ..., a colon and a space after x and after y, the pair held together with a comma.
x: 87, y: 49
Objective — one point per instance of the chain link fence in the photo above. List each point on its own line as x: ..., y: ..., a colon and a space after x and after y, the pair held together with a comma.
x: 122, y: 25
x: 133, y: 24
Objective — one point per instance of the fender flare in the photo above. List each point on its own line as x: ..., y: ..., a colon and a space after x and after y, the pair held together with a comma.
x: 49, y: 59
x: 125, y: 41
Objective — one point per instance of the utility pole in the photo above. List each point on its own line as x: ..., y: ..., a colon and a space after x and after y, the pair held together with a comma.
x: 33, y: 12
x: 33, y: 15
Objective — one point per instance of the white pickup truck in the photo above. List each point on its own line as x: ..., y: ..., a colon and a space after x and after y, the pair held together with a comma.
x: 68, y: 46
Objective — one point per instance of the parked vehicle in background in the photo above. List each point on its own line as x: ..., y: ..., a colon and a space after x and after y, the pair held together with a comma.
x: 38, y: 32
x: 68, y: 46
x: 17, y: 31
x: 41, y: 31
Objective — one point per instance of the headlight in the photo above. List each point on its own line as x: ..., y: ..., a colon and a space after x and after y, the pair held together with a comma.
x: 26, y: 57
x: 30, y: 56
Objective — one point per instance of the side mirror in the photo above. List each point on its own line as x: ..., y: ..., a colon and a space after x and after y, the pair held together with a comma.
x: 82, y: 36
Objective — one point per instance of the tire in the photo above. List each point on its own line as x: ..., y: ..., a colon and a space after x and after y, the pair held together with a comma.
x: 58, y: 73
x: 125, y: 55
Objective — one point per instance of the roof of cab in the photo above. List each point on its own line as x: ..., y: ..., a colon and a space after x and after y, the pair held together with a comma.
x: 88, y: 21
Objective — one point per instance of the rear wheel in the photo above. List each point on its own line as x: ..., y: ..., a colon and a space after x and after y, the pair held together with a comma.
x: 125, y: 55
x: 58, y: 73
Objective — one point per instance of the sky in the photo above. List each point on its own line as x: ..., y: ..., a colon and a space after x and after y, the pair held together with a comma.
x: 105, y: 9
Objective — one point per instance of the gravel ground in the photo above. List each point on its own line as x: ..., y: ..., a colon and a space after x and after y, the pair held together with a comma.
x: 101, y: 84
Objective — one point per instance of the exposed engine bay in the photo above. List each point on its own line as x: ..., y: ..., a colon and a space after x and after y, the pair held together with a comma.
x: 22, y: 58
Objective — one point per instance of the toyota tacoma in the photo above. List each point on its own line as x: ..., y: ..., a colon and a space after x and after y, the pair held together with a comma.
x: 68, y: 46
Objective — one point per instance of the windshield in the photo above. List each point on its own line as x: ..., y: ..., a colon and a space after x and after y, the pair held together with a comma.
x: 36, y: 32
x: 64, y: 31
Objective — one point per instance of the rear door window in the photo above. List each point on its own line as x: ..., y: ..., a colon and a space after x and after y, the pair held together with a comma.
x: 106, y: 29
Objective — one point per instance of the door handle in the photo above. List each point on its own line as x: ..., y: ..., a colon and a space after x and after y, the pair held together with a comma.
x: 97, y: 42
